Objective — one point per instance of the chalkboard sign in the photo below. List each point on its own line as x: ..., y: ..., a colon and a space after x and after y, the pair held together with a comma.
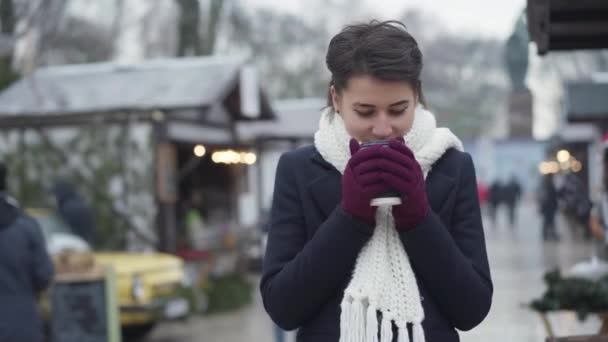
x: 84, y: 308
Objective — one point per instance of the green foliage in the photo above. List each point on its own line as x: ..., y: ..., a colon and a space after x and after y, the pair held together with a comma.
x: 219, y: 295
x: 228, y: 293
x: 581, y: 295
x: 7, y: 75
x: 95, y: 159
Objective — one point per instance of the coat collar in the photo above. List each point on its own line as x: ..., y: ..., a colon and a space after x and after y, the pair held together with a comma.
x: 316, y: 157
x: 326, y: 188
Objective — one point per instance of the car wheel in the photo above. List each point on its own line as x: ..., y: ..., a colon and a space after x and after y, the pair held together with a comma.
x: 137, y: 332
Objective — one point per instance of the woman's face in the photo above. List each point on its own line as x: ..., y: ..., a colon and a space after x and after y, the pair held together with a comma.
x: 374, y: 109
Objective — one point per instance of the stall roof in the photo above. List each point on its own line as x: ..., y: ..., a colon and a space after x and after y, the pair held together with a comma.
x: 160, y: 84
x: 587, y: 101
x: 295, y: 119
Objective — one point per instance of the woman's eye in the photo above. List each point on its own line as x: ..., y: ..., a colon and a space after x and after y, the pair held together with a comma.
x: 365, y: 114
x: 397, y: 112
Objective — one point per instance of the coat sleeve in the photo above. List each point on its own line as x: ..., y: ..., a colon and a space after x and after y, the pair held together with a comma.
x: 42, y: 266
x: 453, y: 264
x: 301, y: 275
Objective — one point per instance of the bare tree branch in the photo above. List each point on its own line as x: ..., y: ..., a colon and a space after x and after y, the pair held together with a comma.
x: 90, y: 184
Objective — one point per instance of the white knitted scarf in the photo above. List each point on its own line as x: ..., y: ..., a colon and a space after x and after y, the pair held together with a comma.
x: 383, y: 279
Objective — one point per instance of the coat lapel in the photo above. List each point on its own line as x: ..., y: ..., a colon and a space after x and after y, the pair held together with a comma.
x: 438, y: 188
x: 326, y: 187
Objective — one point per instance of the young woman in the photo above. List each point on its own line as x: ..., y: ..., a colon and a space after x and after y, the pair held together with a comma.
x: 341, y: 269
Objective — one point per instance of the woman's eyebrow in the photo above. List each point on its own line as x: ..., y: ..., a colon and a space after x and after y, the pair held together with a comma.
x: 402, y: 102
x: 364, y: 105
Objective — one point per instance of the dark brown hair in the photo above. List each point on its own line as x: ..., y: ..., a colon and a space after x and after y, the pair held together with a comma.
x: 384, y: 50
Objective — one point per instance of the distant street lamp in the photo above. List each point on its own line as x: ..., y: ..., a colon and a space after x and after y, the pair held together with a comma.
x: 233, y: 157
x: 199, y: 151
x: 577, y: 166
x: 548, y: 167
x: 249, y: 158
x: 563, y: 156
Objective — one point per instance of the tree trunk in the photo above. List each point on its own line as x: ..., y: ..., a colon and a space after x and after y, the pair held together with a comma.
x: 7, y: 22
x: 7, y: 16
x: 189, y: 36
x: 213, y: 24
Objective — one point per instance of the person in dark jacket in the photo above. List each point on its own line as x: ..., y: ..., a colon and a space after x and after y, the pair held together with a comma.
x: 425, y: 216
x: 574, y: 198
x: 25, y: 271
x: 548, y: 205
x: 511, y: 196
x: 495, y: 199
x: 74, y: 210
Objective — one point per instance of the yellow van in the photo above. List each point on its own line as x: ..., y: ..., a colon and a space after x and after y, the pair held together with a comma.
x: 148, y: 284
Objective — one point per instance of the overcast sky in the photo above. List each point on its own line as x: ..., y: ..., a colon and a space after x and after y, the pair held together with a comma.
x: 478, y: 17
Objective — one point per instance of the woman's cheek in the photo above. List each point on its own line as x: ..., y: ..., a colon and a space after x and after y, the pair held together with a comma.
x: 358, y: 131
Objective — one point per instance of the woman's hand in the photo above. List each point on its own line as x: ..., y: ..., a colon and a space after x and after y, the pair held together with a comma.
x: 402, y: 173
x: 362, y: 181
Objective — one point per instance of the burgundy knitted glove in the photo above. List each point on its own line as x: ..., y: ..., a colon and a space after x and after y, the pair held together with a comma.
x: 401, y: 172
x: 362, y: 181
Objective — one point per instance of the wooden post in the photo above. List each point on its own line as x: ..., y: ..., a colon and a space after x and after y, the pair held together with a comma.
x: 166, y: 188
x: 259, y: 149
x: 547, y: 325
x: 114, y: 332
x: 22, y: 166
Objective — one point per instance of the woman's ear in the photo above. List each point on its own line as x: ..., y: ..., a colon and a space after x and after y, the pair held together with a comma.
x: 335, y: 99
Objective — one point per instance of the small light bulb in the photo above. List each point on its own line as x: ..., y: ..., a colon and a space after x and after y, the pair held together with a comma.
x: 563, y: 156
x: 200, y: 150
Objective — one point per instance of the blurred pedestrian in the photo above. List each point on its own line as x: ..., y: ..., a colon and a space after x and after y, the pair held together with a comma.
x: 414, y: 267
x: 25, y: 271
x: 74, y: 210
x: 195, y: 223
x: 511, y: 198
x: 548, y: 205
x: 574, y: 198
x: 598, y: 220
x: 483, y: 192
x: 495, y: 199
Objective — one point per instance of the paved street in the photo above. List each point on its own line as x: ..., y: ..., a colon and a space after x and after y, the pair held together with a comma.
x: 518, y: 259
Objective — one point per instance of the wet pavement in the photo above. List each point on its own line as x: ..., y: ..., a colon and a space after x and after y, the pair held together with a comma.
x: 518, y: 259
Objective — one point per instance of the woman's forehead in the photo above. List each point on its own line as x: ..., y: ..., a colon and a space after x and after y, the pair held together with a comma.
x: 370, y: 90
x: 367, y: 85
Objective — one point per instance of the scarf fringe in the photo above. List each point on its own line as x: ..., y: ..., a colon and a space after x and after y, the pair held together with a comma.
x: 353, y: 320
x: 418, y: 333
x: 386, y: 330
x: 361, y: 324
x: 372, y: 324
x: 403, y: 336
x: 359, y: 314
x: 345, y: 321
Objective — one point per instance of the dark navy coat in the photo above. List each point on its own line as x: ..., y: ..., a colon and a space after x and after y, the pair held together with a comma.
x: 75, y: 211
x: 313, y: 245
x: 25, y: 270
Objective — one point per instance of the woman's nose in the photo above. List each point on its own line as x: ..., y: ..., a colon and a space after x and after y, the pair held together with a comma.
x: 381, y: 129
